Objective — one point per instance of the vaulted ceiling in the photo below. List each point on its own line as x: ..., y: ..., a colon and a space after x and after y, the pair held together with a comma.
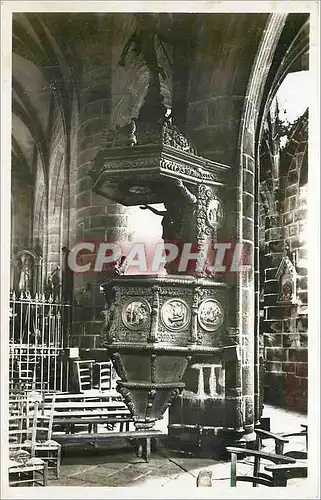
x: 44, y: 72
x: 50, y: 50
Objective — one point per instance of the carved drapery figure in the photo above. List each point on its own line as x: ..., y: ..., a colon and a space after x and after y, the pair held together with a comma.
x: 178, y: 219
x: 174, y: 215
x: 144, y: 39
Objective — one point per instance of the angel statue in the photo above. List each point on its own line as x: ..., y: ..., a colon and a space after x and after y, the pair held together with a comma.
x: 143, y: 40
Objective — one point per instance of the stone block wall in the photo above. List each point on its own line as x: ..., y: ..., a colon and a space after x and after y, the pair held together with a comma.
x: 97, y: 220
x: 285, y: 326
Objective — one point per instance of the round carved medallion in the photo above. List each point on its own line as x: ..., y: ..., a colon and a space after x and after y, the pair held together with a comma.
x: 136, y: 314
x: 210, y: 315
x: 175, y: 314
x: 214, y: 213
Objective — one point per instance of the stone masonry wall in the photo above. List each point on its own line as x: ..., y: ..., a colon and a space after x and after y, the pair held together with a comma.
x: 97, y: 218
x: 286, y: 326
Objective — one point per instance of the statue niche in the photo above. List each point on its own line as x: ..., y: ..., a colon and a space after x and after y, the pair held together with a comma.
x: 287, y: 277
x: 25, y: 266
x: 25, y: 279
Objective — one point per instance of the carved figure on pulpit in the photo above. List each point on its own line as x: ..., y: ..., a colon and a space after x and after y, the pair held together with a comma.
x: 120, y: 266
x: 174, y: 214
x: 118, y: 269
x: 168, y: 221
x: 143, y: 40
x: 178, y: 219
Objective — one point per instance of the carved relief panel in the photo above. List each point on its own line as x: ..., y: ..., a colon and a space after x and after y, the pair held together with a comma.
x: 175, y: 315
x: 210, y: 315
x: 210, y: 212
x: 167, y: 314
x: 131, y: 315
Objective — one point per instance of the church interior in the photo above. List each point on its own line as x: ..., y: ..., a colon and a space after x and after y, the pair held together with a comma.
x: 179, y: 128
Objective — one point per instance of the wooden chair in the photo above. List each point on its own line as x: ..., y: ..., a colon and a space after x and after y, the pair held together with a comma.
x: 279, y: 473
x: 84, y: 370
x: 280, y: 440
x: 285, y: 465
x: 257, y: 477
x: 104, y: 383
x: 45, y: 447
x: 94, y: 376
x: 300, y: 455
x: 104, y: 375
x: 25, y: 469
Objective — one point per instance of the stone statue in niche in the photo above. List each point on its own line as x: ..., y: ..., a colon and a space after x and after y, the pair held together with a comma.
x: 286, y: 291
x: 287, y: 276
x: 25, y: 277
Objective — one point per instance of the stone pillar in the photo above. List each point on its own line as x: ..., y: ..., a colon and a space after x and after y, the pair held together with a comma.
x: 97, y: 218
x: 216, y: 101
x: 224, y: 101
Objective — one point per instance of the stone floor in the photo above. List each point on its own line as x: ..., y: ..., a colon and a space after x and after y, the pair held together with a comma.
x: 102, y: 467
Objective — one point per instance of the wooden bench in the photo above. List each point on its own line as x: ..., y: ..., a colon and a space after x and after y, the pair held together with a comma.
x: 142, y: 440
x: 91, y: 409
x: 109, y: 395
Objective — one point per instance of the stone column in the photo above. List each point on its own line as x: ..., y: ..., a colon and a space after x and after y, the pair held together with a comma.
x: 221, y: 120
x: 97, y: 218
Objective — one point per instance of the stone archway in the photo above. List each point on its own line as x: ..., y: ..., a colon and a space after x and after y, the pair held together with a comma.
x: 277, y: 172
x: 248, y: 290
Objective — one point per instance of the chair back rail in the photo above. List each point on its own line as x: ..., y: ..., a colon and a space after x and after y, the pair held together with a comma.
x: 254, y: 479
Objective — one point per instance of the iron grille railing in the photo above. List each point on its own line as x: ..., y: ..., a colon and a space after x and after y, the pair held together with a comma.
x: 39, y: 339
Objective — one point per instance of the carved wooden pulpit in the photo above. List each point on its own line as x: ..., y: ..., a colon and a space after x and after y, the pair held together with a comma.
x: 156, y: 325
